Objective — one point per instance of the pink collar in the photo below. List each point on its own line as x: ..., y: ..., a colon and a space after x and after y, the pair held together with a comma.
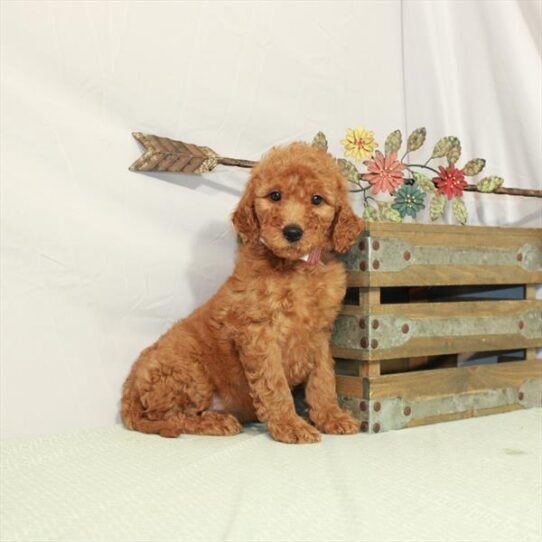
x: 312, y: 258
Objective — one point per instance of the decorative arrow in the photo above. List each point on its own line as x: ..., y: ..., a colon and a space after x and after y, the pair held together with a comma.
x: 164, y: 154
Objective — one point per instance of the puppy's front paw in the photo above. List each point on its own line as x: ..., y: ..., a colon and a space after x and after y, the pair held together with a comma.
x: 337, y: 423
x: 293, y: 430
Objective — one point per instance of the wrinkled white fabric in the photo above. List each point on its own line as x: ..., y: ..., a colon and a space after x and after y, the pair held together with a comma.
x: 97, y: 261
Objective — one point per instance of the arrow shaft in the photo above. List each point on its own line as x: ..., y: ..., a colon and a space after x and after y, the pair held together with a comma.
x: 236, y: 162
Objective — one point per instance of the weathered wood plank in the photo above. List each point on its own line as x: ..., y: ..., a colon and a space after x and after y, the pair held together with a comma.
x: 369, y: 368
x: 451, y: 275
x: 369, y: 297
x: 428, y: 346
x: 424, y: 384
x: 530, y: 291
x: 471, y: 413
x: 450, y: 309
x: 374, y: 228
x: 350, y: 386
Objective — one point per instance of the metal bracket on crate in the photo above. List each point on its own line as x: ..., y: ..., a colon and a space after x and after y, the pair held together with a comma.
x: 390, y: 330
x: 390, y: 254
x: 397, y: 413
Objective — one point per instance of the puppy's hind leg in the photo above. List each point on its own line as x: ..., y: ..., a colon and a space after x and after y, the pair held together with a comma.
x: 206, y: 423
x: 168, y: 393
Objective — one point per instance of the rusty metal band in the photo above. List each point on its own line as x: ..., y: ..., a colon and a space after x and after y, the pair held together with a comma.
x: 392, y: 330
x: 389, y: 254
x: 396, y: 413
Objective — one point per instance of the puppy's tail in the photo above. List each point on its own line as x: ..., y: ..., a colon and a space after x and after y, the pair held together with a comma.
x: 131, y: 407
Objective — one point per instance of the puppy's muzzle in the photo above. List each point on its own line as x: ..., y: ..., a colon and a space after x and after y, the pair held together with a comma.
x: 292, y: 232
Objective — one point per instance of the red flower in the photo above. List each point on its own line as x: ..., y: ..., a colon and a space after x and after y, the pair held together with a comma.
x: 451, y: 181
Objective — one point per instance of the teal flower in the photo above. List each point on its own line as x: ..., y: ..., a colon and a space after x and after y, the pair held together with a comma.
x: 408, y: 200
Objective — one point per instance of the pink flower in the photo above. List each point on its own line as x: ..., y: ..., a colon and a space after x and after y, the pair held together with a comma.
x: 385, y: 173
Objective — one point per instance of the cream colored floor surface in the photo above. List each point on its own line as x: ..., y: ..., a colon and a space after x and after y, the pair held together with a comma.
x: 471, y: 480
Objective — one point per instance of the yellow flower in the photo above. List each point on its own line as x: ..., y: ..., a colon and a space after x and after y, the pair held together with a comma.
x: 359, y: 143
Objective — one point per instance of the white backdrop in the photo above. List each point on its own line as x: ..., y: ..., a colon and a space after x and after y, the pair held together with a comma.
x: 98, y: 261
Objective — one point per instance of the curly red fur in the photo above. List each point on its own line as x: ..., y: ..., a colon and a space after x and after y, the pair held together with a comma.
x: 268, y: 327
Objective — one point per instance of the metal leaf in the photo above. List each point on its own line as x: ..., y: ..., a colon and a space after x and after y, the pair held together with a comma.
x: 424, y: 183
x: 370, y: 214
x: 349, y: 170
x: 393, y: 142
x: 454, y: 151
x: 460, y: 210
x: 474, y: 166
x: 441, y: 147
x: 416, y: 139
x: 489, y: 184
x: 437, y: 205
x: 387, y: 213
x: 164, y: 154
x: 320, y: 140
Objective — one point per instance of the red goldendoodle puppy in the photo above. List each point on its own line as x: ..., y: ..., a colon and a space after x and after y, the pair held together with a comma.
x: 267, y: 329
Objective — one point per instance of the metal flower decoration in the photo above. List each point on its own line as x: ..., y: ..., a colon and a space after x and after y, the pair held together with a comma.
x: 408, y: 200
x: 413, y: 186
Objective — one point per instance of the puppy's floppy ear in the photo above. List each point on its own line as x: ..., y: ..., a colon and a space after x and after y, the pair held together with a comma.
x: 347, y: 227
x: 244, y: 217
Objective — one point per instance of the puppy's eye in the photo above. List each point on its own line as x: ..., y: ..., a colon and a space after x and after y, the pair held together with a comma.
x: 275, y: 196
x: 316, y: 199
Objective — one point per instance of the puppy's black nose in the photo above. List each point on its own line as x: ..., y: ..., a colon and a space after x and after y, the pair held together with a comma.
x: 292, y: 232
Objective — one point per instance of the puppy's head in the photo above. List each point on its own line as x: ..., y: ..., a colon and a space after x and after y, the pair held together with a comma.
x: 296, y: 201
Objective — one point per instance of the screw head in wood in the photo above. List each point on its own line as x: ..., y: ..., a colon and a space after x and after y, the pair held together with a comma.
x: 363, y: 342
x: 405, y: 328
x: 407, y: 411
x: 376, y: 428
x: 363, y: 266
x: 407, y: 255
x: 376, y: 245
x: 374, y: 343
x: 361, y: 245
x: 363, y: 406
x: 375, y: 324
x: 521, y: 396
x: 376, y: 264
x: 519, y: 257
x: 377, y: 406
x: 521, y: 324
x: 362, y: 323
x: 364, y: 427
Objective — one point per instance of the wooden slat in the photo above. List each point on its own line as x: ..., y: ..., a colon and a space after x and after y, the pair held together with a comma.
x: 374, y: 228
x: 470, y: 413
x: 530, y: 291
x: 424, y: 384
x: 369, y: 297
x: 369, y: 368
x: 429, y: 346
x: 350, y: 386
x: 449, y: 275
x: 347, y: 353
x: 450, y: 309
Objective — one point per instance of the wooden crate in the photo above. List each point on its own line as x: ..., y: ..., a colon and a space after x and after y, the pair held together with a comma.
x: 419, y: 296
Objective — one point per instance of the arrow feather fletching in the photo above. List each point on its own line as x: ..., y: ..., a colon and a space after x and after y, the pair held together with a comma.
x: 164, y: 154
